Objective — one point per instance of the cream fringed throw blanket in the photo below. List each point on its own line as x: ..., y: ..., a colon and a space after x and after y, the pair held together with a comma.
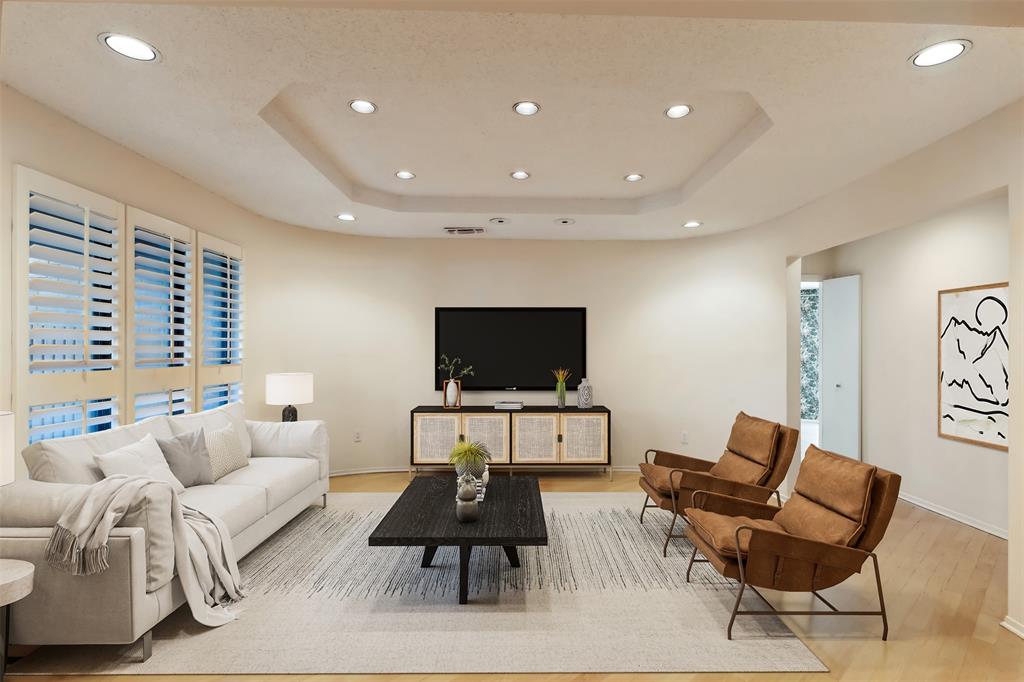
x: 203, y: 554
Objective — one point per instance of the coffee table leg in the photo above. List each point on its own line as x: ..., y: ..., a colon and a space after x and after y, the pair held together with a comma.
x: 464, y: 552
x: 428, y: 556
x: 512, y: 554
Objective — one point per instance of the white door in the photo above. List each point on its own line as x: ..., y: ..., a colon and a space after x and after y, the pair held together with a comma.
x: 840, y: 366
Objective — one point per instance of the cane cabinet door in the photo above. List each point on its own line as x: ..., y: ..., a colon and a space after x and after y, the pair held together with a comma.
x: 434, y: 436
x: 491, y: 430
x: 535, y: 438
x: 584, y: 439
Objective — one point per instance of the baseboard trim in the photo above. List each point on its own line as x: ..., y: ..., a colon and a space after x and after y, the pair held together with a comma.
x: 371, y: 470
x: 956, y: 516
x: 1014, y: 626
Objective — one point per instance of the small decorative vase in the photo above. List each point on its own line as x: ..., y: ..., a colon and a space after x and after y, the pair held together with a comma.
x: 486, y: 475
x: 452, y: 391
x: 560, y: 393
x: 474, y: 469
x: 466, y: 508
x: 585, y: 395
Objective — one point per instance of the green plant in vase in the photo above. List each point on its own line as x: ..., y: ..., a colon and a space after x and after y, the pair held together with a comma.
x: 470, y: 458
x: 561, y: 376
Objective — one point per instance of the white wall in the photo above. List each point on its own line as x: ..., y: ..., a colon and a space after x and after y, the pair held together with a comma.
x: 901, y: 271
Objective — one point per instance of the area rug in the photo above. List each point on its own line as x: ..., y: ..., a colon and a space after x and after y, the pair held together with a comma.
x: 598, y: 598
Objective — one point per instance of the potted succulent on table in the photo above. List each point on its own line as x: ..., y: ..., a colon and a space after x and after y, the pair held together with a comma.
x: 561, y: 376
x: 470, y: 458
x: 451, y: 388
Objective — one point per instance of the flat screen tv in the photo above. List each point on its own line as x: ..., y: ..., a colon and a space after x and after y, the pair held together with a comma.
x: 512, y: 348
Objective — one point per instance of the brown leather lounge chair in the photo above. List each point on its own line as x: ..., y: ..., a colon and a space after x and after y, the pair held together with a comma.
x: 822, y: 535
x: 753, y: 466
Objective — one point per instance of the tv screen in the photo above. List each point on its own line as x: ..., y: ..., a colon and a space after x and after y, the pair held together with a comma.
x: 512, y: 348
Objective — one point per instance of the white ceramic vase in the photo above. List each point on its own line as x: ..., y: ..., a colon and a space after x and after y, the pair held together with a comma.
x: 585, y: 395
x: 451, y: 394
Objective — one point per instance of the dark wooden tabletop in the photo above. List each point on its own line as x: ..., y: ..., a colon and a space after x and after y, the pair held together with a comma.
x: 424, y: 515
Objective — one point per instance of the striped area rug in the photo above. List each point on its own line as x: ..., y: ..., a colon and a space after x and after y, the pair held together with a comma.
x: 599, y: 598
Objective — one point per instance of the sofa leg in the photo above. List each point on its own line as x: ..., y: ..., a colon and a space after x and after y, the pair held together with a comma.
x: 323, y: 502
x: 147, y: 645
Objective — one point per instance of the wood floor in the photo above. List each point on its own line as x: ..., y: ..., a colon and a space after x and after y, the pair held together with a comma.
x: 945, y: 588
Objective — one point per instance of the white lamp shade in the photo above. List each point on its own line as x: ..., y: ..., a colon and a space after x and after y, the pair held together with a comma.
x: 6, y: 447
x: 290, y: 388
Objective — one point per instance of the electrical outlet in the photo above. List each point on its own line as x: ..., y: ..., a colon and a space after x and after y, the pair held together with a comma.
x: 357, y: 437
x: 684, y: 438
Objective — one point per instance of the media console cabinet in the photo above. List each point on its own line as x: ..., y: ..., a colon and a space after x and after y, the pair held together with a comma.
x: 533, y: 437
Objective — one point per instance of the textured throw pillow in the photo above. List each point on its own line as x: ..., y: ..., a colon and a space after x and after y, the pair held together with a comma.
x: 188, y: 458
x: 226, y: 453
x: 143, y: 458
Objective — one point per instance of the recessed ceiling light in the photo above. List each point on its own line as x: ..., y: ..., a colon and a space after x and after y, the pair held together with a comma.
x: 405, y: 175
x: 678, y: 110
x: 633, y: 177
x: 940, y: 53
x: 691, y: 224
x: 498, y: 221
x: 519, y: 175
x: 565, y: 221
x: 362, y: 106
x: 130, y: 47
x: 526, y: 108
x: 346, y: 217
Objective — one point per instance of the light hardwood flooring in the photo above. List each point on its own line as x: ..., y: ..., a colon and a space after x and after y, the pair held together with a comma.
x: 945, y: 589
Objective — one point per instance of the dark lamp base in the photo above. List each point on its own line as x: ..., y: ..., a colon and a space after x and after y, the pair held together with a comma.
x: 290, y: 414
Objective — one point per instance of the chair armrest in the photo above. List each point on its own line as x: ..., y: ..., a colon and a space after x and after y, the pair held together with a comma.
x: 733, y: 506
x: 674, y: 461
x: 292, y: 439
x: 699, y: 480
x: 768, y: 545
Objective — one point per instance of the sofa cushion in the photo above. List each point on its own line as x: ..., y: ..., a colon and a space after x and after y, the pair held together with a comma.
x: 238, y: 506
x: 281, y: 477
x: 188, y: 458
x: 740, y: 469
x: 211, y: 420
x: 754, y: 439
x: 225, y: 451
x: 719, y: 530
x: 831, y: 498
x: 143, y: 458
x: 70, y: 460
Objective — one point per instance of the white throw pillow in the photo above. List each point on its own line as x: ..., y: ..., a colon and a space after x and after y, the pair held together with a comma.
x: 226, y: 453
x: 143, y: 458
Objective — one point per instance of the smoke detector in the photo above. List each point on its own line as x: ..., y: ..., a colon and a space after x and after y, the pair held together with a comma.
x: 460, y: 231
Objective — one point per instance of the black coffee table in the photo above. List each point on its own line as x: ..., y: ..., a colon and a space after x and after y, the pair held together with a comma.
x: 511, y: 515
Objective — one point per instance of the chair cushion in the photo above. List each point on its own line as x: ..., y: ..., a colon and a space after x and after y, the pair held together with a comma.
x: 238, y: 506
x: 658, y: 477
x: 281, y: 477
x: 70, y: 460
x: 754, y: 439
x: 831, y: 498
x: 740, y: 469
x: 719, y: 531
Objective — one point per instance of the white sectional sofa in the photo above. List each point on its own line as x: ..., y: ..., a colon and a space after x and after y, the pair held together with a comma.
x: 287, y: 471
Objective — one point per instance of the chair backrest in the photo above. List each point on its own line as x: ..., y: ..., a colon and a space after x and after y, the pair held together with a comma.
x: 884, y: 493
x: 785, y: 448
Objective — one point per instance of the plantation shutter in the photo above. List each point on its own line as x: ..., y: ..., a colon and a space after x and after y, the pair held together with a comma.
x: 161, y: 293
x: 220, y: 321
x: 68, y: 252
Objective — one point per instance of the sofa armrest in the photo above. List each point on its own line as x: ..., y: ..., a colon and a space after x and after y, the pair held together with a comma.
x: 110, y: 607
x: 292, y: 439
x: 733, y: 506
x: 699, y: 480
x: 674, y: 461
x: 767, y: 546
x: 35, y: 504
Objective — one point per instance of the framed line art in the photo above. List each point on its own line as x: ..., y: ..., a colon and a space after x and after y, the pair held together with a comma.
x: 974, y: 373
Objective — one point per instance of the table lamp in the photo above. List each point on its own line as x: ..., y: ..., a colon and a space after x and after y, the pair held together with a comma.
x: 6, y: 447
x: 289, y: 389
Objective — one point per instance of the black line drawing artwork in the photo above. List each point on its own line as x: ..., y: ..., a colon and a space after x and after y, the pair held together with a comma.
x: 974, y: 377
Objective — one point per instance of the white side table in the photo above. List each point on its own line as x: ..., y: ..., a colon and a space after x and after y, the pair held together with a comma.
x: 15, y: 583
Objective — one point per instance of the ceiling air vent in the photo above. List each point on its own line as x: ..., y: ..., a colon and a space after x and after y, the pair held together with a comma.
x: 463, y: 230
